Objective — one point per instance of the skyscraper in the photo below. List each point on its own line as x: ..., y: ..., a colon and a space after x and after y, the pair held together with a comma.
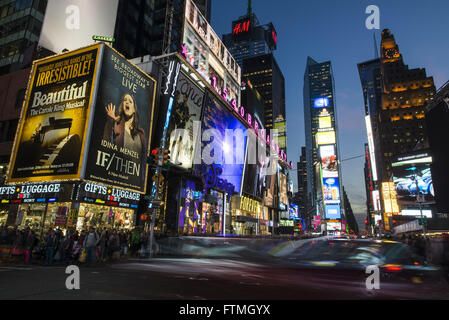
x: 402, y: 123
x: 406, y: 92
x: 249, y: 38
x: 152, y: 27
x: 371, y: 80
x: 252, y: 45
x: 20, y: 25
x: 266, y: 76
x: 301, y: 198
x: 321, y: 131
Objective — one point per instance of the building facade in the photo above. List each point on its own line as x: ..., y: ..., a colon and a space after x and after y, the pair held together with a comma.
x: 321, y: 132
x: 402, y: 126
x: 437, y: 117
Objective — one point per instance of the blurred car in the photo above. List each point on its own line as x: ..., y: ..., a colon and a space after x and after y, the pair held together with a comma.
x: 341, y: 264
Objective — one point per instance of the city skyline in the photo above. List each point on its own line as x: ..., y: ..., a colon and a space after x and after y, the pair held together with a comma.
x: 346, y: 44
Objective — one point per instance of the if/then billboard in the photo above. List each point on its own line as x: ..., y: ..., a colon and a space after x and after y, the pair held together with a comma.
x: 88, y: 115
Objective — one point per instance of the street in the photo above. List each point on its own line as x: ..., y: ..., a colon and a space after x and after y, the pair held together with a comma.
x: 196, y: 279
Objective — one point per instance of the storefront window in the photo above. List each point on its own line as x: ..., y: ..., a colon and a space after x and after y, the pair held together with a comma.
x: 4, y: 210
x: 104, y: 217
x: 57, y: 214
x: 31, y: 215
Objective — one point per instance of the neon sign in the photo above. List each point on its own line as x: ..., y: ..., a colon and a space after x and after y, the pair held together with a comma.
x: 241, y: 27
x: 211, y: 180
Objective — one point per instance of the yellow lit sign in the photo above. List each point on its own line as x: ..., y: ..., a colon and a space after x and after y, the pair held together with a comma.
x: 250, y: 205
x: 325, y: 122
x: 390, y: 200
x: 327, y: 137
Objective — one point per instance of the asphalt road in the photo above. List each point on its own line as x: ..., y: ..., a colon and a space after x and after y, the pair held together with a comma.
x: 194, y: 279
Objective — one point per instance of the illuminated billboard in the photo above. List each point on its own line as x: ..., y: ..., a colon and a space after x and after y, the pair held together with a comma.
x: 329, y: 163
x: 333, y: 211
x: 331, y: 190
x: 54, y: 122
x: 294, y: 212
x: 283, y: 198
x: 390, y: 200
x: 254, y: 179
x: 186, y: 109
x: 224, y: 143
x: 369, y: 131
x: 413, y: 173
x: 123, y: 117
x: 321, y: 102
x: 326, y: 137
x: 325, y: 122
x: 206, y: 52
x: 70, y: 24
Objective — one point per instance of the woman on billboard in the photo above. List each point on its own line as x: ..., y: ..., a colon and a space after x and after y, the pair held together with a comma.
x: 123, y: 129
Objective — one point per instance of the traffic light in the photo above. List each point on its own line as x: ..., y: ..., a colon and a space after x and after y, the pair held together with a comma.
x: 165, y: 157
x: 155, y: 156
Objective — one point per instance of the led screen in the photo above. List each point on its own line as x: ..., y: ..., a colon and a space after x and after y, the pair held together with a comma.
x: 224, y: 143
x: 407, y: 174
x: 283, y: 189
x: 327, y: 137
x: 333, y: 211
x: 329, y: 161
x: 331, y: 190
x: 325, y: 122
x: 256, y: 160
x: 321, y: 102
x: 294, y: 212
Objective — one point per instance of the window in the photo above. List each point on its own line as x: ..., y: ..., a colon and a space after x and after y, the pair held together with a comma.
x: 19, y: 99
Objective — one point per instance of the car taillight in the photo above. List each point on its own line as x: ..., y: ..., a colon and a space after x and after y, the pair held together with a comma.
x: 392, y: 268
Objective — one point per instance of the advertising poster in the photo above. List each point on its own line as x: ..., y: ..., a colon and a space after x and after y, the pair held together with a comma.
x: 283, y: 198
x: 256, y: 161
x: 52, y: 132
x: 329, y: 161
x: 333, y: 211
x: 70, y: 24
x: 187, y: 107
x: 271, y: 181
x: 223, y: 145
x: 122, y: 120
x: 294, y: 212
x: 325, y: 137
x: 331, y: 190
x: 411, y: 176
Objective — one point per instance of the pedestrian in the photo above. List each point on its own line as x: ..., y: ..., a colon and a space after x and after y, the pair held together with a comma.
x: 123, y: 242
x: 135, y: 240
x: 90, y: 244
x: 50, y: 245
x: 102, y: 245
x: 30, y: 242
x: 67, y: 246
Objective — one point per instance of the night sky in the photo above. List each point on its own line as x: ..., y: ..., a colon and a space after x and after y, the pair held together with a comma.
x: 335, y: 30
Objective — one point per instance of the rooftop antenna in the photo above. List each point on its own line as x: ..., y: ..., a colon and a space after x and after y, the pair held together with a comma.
x: 250, y: 9
x: 376, y: 52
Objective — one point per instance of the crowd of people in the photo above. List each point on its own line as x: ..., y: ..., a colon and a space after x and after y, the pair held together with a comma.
x: 89, y: 246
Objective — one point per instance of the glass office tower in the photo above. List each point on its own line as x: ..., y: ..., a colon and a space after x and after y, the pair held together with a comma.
x: 322, y: 154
